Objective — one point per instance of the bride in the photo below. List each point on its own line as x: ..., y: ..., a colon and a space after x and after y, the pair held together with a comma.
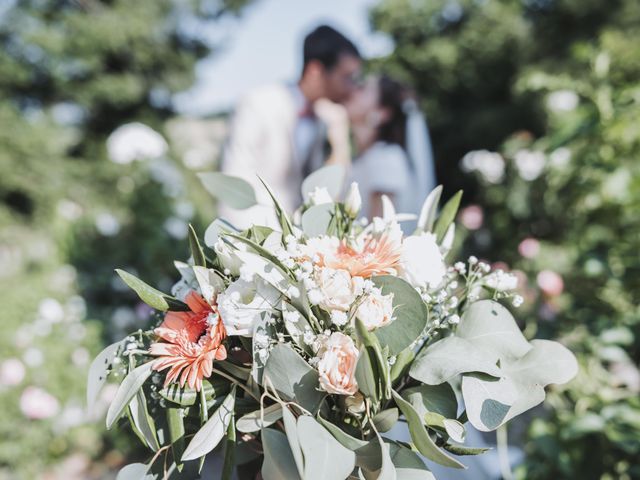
x: 392, y: 146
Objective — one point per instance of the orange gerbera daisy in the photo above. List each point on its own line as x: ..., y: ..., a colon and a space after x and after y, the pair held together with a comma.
x: 378, y: 256
x: 192, y: 341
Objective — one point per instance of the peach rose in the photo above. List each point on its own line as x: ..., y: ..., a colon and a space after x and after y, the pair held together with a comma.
x: 337, y: 365
x: 338, y: 289
x: 376, y: 310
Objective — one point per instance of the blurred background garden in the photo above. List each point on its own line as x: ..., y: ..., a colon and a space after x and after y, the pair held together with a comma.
x: 108, y: 109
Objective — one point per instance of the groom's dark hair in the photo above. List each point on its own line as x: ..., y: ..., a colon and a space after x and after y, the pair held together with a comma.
x: 326, y: 45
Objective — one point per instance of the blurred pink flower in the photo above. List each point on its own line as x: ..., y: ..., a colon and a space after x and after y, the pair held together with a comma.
x: 38, y: 404
x: 472, y: 217
x: 529, y: 247
x: 12, y: 372
x: 550, y: 283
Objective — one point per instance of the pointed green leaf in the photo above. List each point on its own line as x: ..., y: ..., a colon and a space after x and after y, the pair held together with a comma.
x: 208, y: 437
x: 126, y: 391
x: 386, y: 419
x: 423, y: 442
x: 278, y: 459
x: 293, y: 378
x: 196, y: 249
x: 228, y: 466
x: 98, y: 372
x: 429, y: 209
x: 255, y: 421
x: 324, y: 456
x: 149, y: 295
x: 142, y: 421
x: 447, y: 216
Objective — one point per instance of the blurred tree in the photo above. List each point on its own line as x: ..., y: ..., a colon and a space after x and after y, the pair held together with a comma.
x: 559, y: 203
x: 71, y: 72
x: 463, y: 58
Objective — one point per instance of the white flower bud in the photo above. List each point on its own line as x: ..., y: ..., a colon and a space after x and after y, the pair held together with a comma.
x: 353, y: 202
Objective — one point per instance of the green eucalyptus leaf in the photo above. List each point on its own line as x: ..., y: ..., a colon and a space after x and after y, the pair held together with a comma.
x: 439, y: 399
x: 175, y: 422
x: 281, y: 214
x: 344, y: 438
x: 402, y: 364
x: 196, y: 250
x: 324, y: 456
x: 142, y: 421
x: 490, y: 326
x: 234, y: 191
x: 229, y: 451
x: 366, y: 374
x: 447, y: 216
x: 209, y: 436
x: 492, y: 402
x: 291, y: 430
x: 331, y: 177
x: 293, y: 378
x: 462, y: 450
x: 410, y: 314
x: 136, y: 471
x: 423, y: 442
x: 186, y: 396
x: 255, y: 421
x: 98, y: 372
x: 386, y: 419
x: 429, y: 209
x: 316, y: 219
x: 149, y: 295
x: 279, y: 463
x: 445, y: 359
x: 126, y: 391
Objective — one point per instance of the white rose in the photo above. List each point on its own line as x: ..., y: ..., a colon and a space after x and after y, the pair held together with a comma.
x: 421, y: 261
x: 338, y: 357
x: 353, y: 202
x: 242, y: 303
x: 376, y: 310
x: 337, y: 288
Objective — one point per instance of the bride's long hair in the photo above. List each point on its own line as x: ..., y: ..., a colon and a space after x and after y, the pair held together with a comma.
x: 393, y: 96
x: 407, y: 127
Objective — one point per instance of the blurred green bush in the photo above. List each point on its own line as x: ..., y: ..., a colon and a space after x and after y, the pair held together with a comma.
x: 71, y: 73
x: 559, y: 202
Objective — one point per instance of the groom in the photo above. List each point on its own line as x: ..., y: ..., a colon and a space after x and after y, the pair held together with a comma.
x: 277, y: 131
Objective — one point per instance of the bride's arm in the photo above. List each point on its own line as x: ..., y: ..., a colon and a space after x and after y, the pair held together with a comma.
x: 335, y: 117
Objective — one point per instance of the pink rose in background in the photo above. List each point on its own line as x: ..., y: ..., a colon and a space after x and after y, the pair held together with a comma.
x: 12, y: 372
x: 337, y: 366
x: 550, y: 283
x: 38, y: 404
x: 472, y: 217
x: 529, y: 247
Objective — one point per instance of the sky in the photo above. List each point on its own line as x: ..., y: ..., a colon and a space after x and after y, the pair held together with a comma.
x: 265, y: 46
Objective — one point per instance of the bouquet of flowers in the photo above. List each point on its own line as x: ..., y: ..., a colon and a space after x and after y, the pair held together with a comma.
x: 295, y: 348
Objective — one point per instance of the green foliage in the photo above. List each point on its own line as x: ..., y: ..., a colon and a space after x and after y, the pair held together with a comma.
x: 488, y: 69
x: 70, y: 74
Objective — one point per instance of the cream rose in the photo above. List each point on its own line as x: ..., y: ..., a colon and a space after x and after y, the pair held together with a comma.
x: 242, y: 303
x: 422, y: 264
x: 337, y: 365
x: 376, y: 310
x: 337, y: 288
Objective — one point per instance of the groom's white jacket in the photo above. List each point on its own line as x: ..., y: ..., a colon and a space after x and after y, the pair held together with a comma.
x: 261, y: 142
